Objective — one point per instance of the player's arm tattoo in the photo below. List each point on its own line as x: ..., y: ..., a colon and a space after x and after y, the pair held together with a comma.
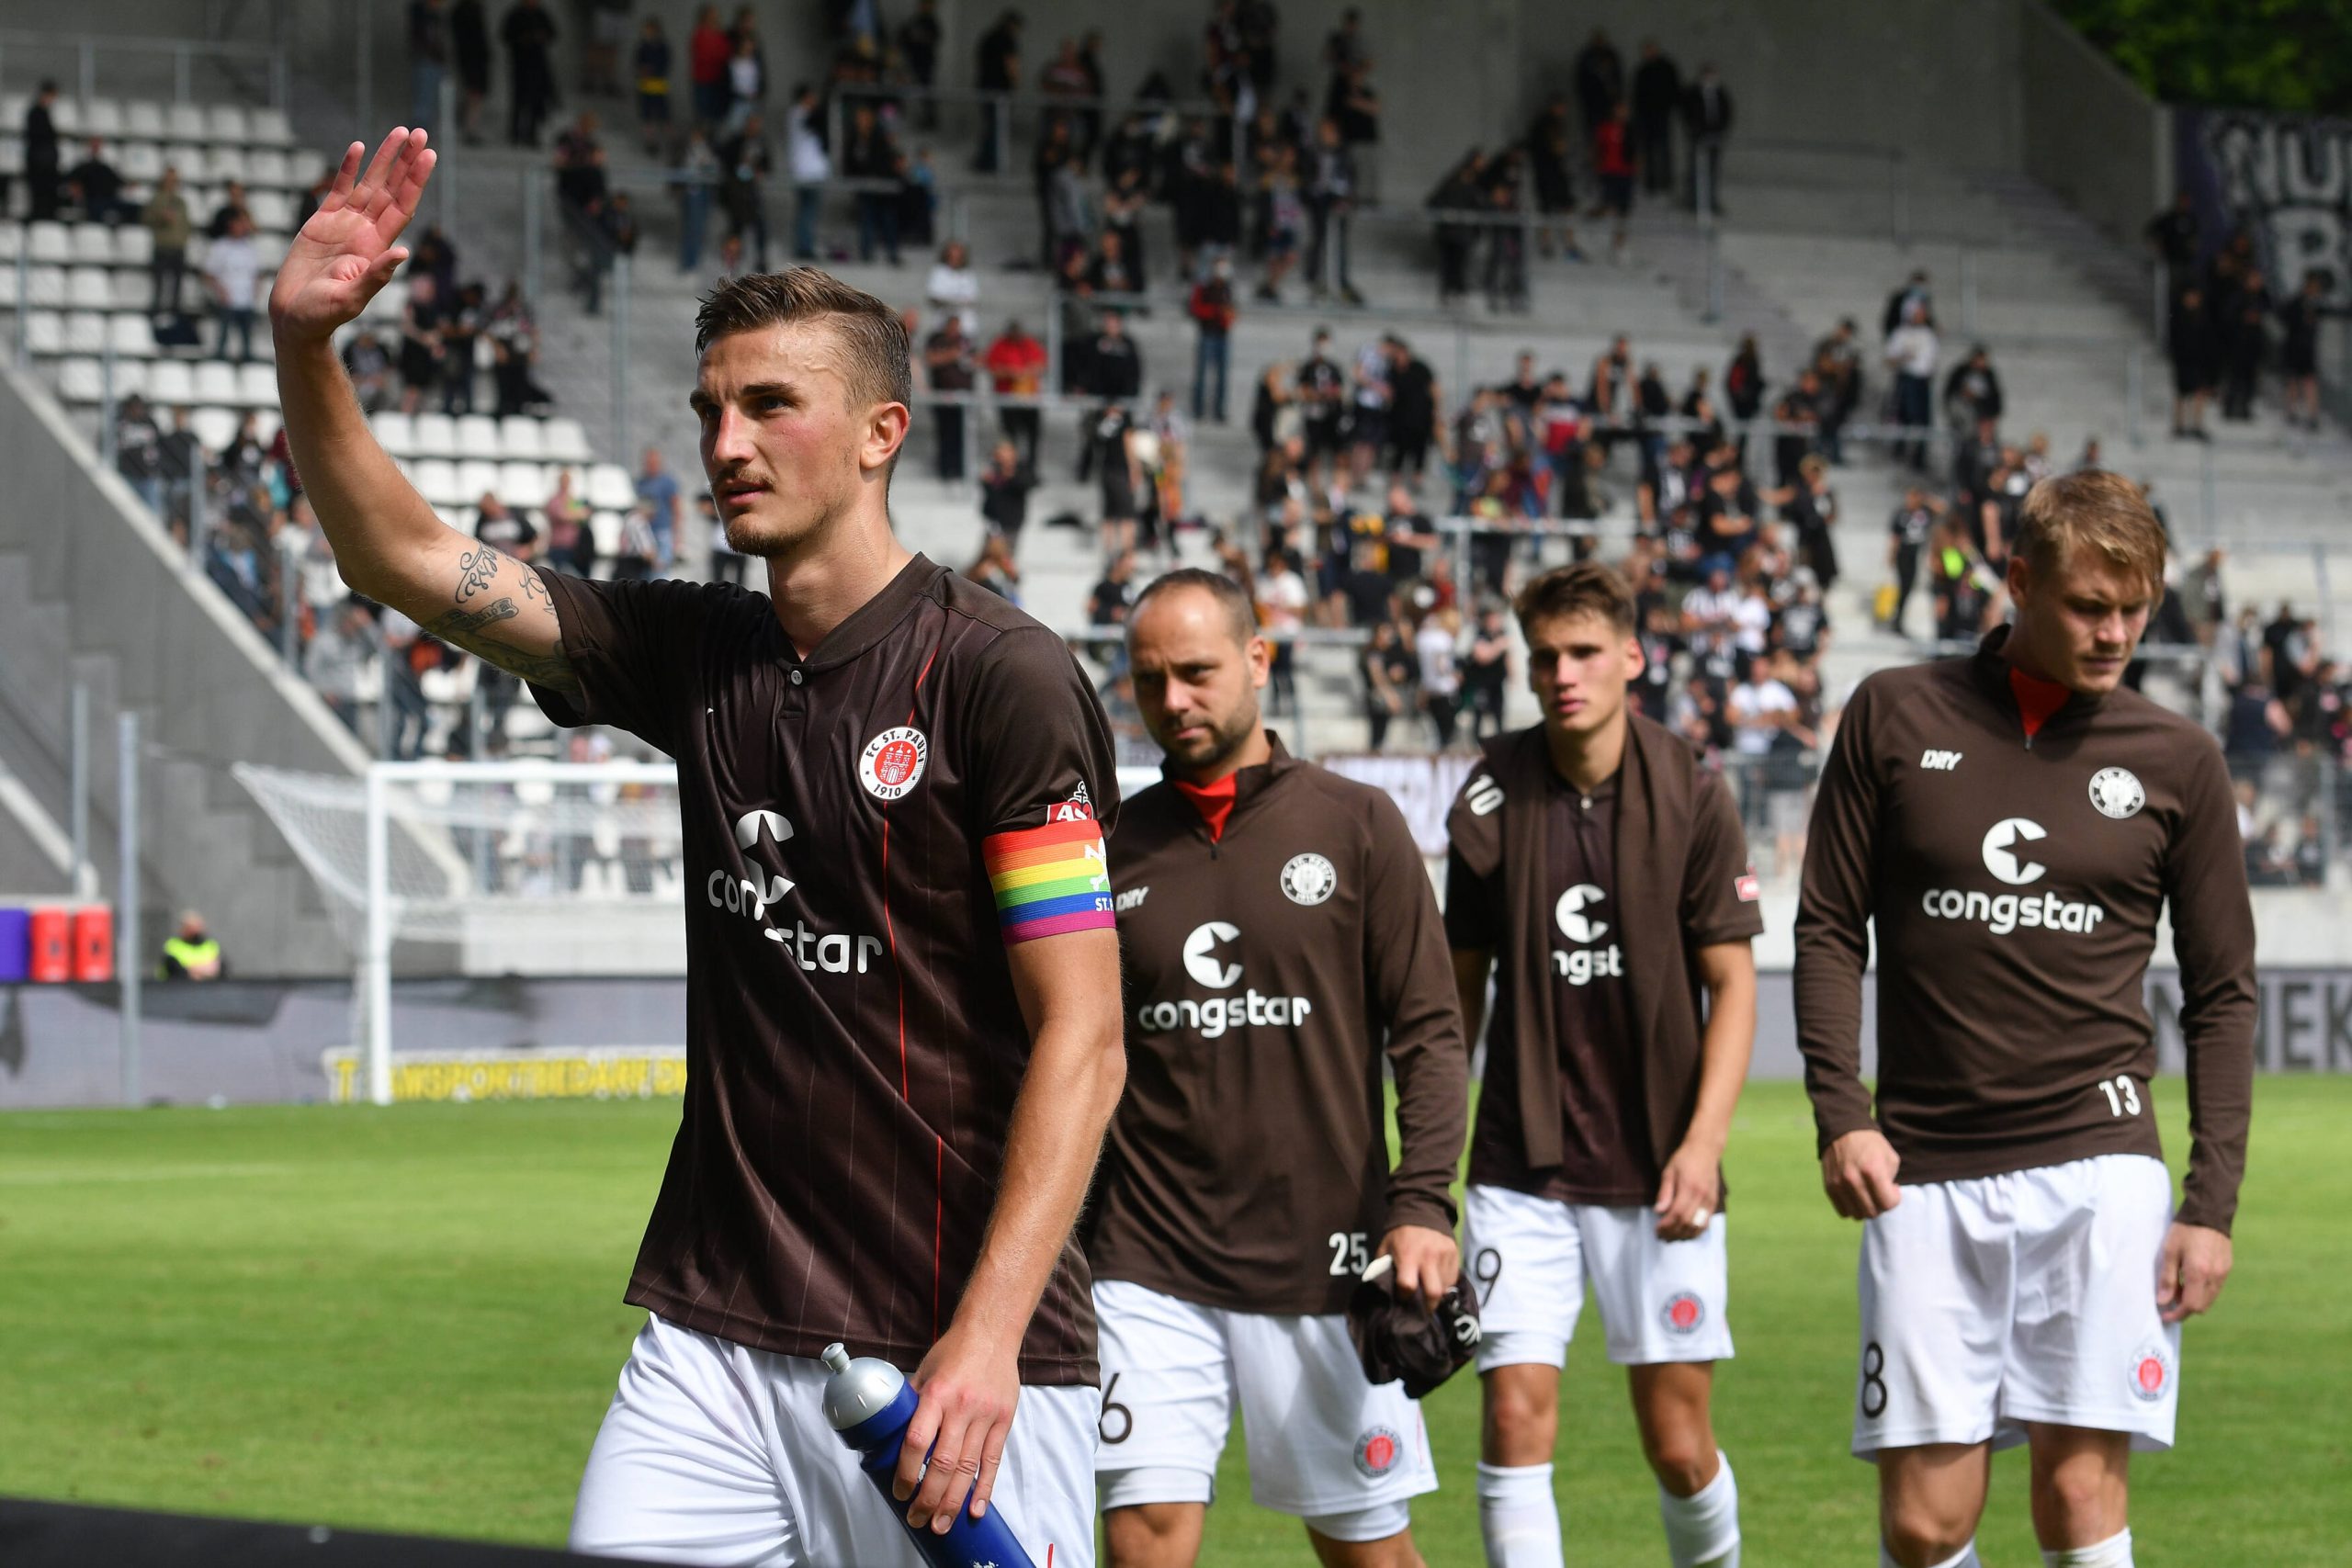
x: 464, y: 627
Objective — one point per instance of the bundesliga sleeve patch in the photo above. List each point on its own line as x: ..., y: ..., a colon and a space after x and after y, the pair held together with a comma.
x: 1049, y: 880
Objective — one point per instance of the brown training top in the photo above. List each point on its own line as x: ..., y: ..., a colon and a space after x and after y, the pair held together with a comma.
x: 1267, y: 973
x: 1595, y: 909
x: 854, y: 1044
x: 2015, y: 886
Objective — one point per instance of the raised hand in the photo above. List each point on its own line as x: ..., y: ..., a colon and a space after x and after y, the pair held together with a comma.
x: 346, y: 251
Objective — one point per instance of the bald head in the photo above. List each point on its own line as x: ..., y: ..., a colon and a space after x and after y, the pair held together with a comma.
x: 1233, y: 604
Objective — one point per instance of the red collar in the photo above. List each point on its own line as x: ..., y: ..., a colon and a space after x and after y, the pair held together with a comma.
x: 2037, y: 699
x: 1213, y: 801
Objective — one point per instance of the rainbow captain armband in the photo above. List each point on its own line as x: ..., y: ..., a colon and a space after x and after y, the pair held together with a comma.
x: 1049, y: 880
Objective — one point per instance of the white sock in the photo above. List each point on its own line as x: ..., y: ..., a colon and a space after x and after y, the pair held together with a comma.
x: 1965, y: 1558
x: 2115, y: 1551
x: 1518, y: 1516
x: 1702, y: 1530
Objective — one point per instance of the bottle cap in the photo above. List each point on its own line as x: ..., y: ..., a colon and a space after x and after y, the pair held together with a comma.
x: 858, y: 1389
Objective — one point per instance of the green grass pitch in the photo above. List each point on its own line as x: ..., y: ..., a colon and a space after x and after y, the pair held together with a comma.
x: 410, y: 1319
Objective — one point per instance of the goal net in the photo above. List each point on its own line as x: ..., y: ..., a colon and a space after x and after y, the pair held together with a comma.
x: 528, y: 867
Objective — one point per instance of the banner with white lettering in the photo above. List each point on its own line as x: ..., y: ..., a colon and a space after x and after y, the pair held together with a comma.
x: 2285, y: 179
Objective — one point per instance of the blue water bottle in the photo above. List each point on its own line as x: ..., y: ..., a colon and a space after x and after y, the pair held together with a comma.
x: 869, y: 1404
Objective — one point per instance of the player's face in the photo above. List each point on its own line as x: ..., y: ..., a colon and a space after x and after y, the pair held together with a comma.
x: 1196, y: 682
x: 784, y: 446
x: 2079, y: 627
x: 1578, y: 667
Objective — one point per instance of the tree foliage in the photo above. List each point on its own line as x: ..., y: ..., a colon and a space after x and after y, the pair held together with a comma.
x: 2292, y: 56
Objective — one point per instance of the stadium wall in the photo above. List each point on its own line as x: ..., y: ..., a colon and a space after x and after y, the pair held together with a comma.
x: 121, y: 615
x: 249, y: 1041
x: 2086, y: 130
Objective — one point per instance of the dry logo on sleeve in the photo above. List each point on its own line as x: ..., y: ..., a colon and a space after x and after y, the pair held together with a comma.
x: 1049, y: 880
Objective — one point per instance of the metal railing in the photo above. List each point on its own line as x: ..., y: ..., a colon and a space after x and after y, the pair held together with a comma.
x: 87, y: 49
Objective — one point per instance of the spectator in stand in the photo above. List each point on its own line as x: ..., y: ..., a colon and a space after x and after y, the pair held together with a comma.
x: 1114, y: 363
x: 97, y: 187
x: 529, y: 35
x: 1485, y: 675
x: 43, y: 153
x: 1121, y: 476
x: 1356, y: 107
x: 1171, y: 432
x: 1330, y: 188
x: 995, y: 568
x: 1016, y: 366
x: 139, y: 450
x: 997, y: 57
x: 505, y: 529
x: 868, y: 154
x: 1911, y: 354
x: 183, y: 465
x: 2174, y: 235
x: 338, y: 653
x: 420, y: 342
x: 169, y: 229
x: 2298, y: 350
x: 1387, y: 667
x: 461, y: 329
x: 1658, y: 95
x: 709, y: 49
x: 1962, y: 583
x: 698, y: 177
x: 192, y: 953
x: 1551, y: 150
x: 658, y: 492
x: 429, y: 63
x: 1434, y: 648
x: 2246, y: 336
x: 810, y: 167
x: 652, y: 67
x: 1914, y: 290
x: 743, y: 162
x: 571, y: 546
x: 1613, y: 167
x: 951, y: 365
x: 1005, y: 485
x: 1323, y: 398
x: 1283, y: 600
x: 919, y: 38
x: 233, y: 203
x: 1600, y: 81
x: 232, y: 272
x: 2196, y: 355
x: 1506, y: 246
x: 1706, y: 116
x: 1214, y: 312
x: 469, y: 49
x: 747, y: 76
x: 1972, y: 392
x: 1837, y: 362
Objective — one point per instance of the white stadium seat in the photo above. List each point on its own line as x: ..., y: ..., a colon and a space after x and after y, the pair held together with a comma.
x: 523, y: 484
x: 65, y: 114
x: 135, y: 290
x: 269, y: 249
x: 12, y: 242
x: 226, y: 164
x: 390, y: 301
x: 477, y: 479
x: 46, y: 288
x: 266, y: 424
x: 270, y: 126
x: 214, y: 428
x: 171, y: 383
x: 100, y: 117
x: 132, y: 336
x: 519, y: 437
x: 143, y: 117
x: 272, y: 212
x: 93, y: 244
x: 478, y: 437
x: 51, y: 242
x: 604, y: 527
x: 395, y: 431
x: 185, y: 122
x: 436, y: 435
x: 565, y: 441
x: 437, y: 481
x: 139, y: 162
x: 81, y: 381
x: 216, y: 381
x: 270, y: 167
x: 258, y: 384
x: 13, y: 106
x: 90, y: 288
x: 610, y: 487
x: 228, y: 122
x: 85, y: 332
x: 134, y: 246
x: 44, y: 331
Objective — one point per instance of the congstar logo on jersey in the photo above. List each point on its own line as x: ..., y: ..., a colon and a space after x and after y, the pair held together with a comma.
x: 831, y: 953
x: 2007, y: 851
x: 1212, y: 959
x: 1585, y: 963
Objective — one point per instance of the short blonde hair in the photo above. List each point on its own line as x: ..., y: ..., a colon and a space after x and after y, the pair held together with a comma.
x: 2097, y: 511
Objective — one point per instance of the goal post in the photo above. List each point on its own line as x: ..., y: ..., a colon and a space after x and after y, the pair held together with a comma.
x: 516, y: 866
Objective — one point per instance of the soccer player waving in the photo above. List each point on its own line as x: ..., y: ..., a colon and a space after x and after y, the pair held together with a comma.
x: 1601, y: 875
x: 2010, y: 825
x: 902, y: 984
x: 1280, y: 935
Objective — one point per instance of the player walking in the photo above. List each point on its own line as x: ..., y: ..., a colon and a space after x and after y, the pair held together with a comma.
x: 2009, y: 827
x: 1604, y: 877
x: 902, y: 1032
x: 1280, y: 935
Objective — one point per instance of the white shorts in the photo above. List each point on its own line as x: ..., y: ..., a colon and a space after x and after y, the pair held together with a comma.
x: 1324, y: 1443
x: 1992, y: 1302
x: 1660, y: 1301
x: 715, y: 1453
